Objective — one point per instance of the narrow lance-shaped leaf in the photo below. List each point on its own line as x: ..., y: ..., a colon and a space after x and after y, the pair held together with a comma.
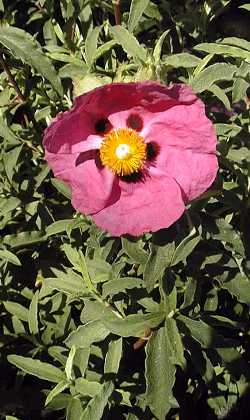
x: 8, y: 256
x: 7, y: 134
x: 94, y: 409
x: 37, y: 368
x: 74, y: 410
x: 23, y: 46
x: 158, y: 260
x: 137, y: 8
x: 33, y: 314
x: 17, y: 309
x: 69, y: 363
x: 158, y: 46
x: 213, y: 74
x: 113, y: 356
x: 91, y: 45
x: 10, y: 159
x: 60, y: 387
x: 160, y: 374
x: 129, y: 43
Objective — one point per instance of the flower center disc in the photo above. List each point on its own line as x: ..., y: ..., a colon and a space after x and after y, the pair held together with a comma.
x: 123, y: 151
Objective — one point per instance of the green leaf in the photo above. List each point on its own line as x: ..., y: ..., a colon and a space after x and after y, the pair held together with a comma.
x: 121, y: 284
x: 134, y: 250
x: 213, y: 74
x: 73, y: 71
x: 59, y: 226
x: 10, y: 417
x: 95, y: 407
x: 61, y: 187
x: 87, y: 334
x: 33, y: 314
x: 185, y: 248
x: 8, y: 256
x: 200, y: 331
x: 10, y: 159
x: 87, y: 388
x: 220, y: 94
x: 133, y: 325
x: 100, y: 51
x: 184, y: 60
x: 234, y: 361
x: 23, y: 239
x: 60, y: 402
x: 137, y: 7
x: 113, y: 356
x: 37, y: 368
x: 8, y: 204
x: 240, y: 83
x: 237, y: 42
x: 160, y: 374
x: 23, y: 46
x: 239, y: 287
x: 201, y: 362
x: 158, y: 260
x: 158, y: 47
x: 69, y: 363
x: 221, y: 49
x: 129, y: 43
x: 74, y: 410
x: 246, y: 7
x: 175, y: 343
x: 73, y: 256
x: 68, y: 284
x: 189, y: 292
x: 93, y: 311
x: 16, y: 309
x: 91, y: 45
x: 81, y: 359
x: 228, y: 235
x: 60, y: 387
x: 7, y: 134
x: 99, y: 270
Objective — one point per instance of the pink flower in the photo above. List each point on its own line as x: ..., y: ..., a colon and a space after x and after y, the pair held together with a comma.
x: 133, y: 154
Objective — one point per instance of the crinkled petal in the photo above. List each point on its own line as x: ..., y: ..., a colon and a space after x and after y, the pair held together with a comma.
x: 194, y: 172
x: 115, y: 97
x: 153, y: 101
x: 183, y: 127
x: 92, y: 188
x: 154, y: 204
x: 68, y: 132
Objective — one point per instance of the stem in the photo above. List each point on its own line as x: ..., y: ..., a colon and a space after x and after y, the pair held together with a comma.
x: 11, y: 79
x: 117, y: 11
x: 142, y: 341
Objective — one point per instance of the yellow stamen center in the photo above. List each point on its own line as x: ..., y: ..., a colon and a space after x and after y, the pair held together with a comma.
x: 123, y: 151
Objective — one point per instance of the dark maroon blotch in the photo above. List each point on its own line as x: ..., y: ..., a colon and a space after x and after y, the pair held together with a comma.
x: 153, y: 150
x: 102, y: 126
x: 133, y: 178
x: 135, y: 122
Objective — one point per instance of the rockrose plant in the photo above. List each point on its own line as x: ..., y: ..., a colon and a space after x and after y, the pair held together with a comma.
x: 132, y: 302
x: 133, y: 154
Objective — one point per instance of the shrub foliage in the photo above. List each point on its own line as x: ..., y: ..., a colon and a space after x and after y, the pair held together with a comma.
x: 93, y: 326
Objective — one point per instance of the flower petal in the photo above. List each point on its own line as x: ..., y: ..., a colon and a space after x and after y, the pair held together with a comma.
x: 152, y: 205
x: 68, y: 132
x: 193, y: 171
x: 183, y: 127
x: 92, y: 188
